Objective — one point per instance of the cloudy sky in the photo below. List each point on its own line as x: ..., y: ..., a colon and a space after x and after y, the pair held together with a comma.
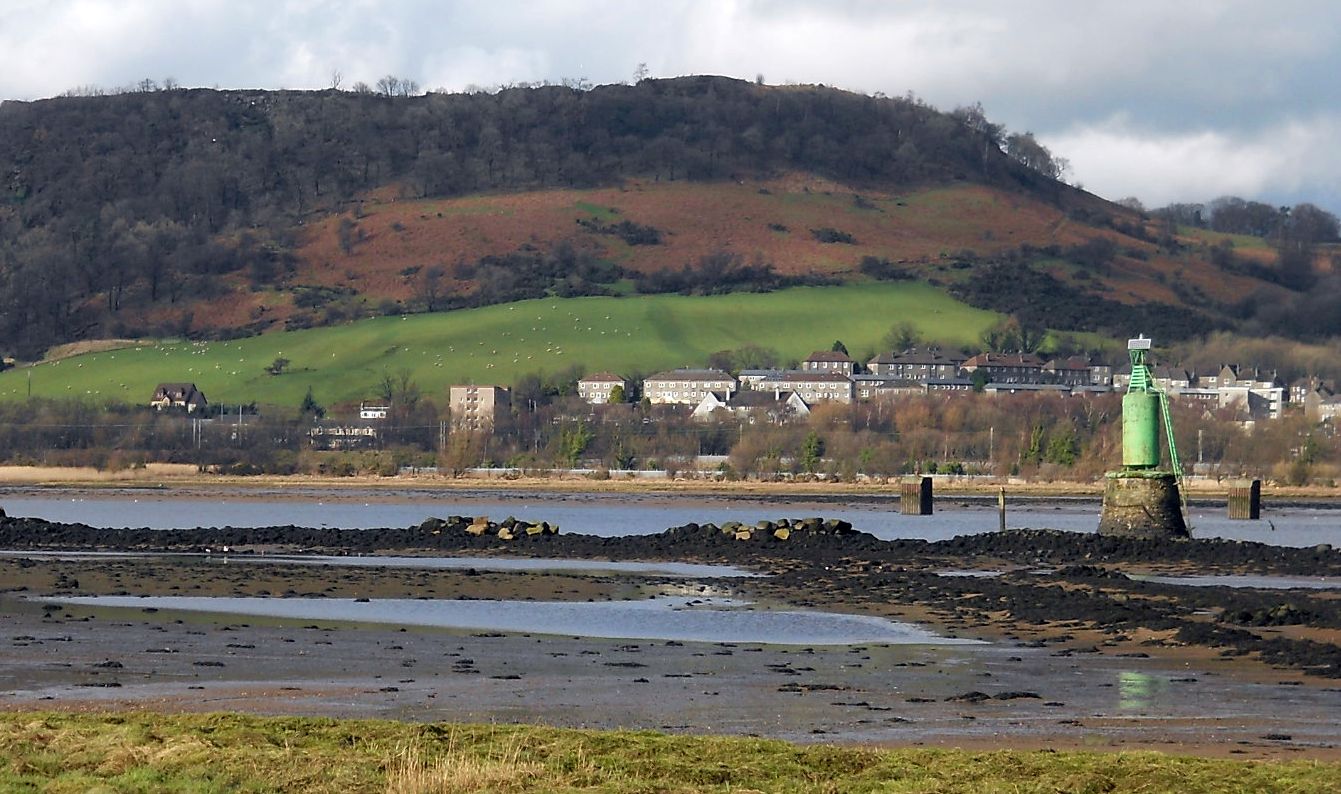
x: 1166, y: 101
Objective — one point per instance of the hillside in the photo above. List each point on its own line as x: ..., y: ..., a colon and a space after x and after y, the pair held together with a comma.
x: 498, y: 344
x: 215, y: 214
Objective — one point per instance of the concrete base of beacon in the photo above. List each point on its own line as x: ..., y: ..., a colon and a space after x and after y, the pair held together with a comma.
x: 1142, y: 504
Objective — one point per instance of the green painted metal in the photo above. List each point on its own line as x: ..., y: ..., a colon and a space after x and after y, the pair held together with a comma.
x: 1140, y: 430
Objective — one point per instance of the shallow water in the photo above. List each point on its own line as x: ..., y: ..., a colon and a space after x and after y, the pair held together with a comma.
x: 678, y: 570
x: 659, y: 618
x: 609, y: 515
x: 1260, y: 582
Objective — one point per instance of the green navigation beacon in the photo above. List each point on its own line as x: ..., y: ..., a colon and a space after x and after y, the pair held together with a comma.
x: 1141, y: 499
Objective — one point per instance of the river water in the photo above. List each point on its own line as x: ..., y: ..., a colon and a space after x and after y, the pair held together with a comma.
x: 620, y: 514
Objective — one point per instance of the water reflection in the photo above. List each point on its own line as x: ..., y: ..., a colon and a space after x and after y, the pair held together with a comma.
x: 1140, y: 691
x: 659, y: 618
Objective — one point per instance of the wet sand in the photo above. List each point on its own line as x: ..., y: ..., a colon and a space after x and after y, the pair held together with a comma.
x: 1078, y: 655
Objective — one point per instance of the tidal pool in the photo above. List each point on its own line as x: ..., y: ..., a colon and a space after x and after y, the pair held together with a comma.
x: 658, y: 618
x: 1236, y: 580
x: 676, y: 570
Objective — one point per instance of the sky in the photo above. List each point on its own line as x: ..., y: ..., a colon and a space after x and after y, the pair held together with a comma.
x: 1164, y: 101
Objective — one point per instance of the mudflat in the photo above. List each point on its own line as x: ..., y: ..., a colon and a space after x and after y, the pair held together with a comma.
x: 1075, y: 653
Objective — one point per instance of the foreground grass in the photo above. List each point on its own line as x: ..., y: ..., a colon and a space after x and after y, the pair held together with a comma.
x: 496, y: 344
x: 62, y: 752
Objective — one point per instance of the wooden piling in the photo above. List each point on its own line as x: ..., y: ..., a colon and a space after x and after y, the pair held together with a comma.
x: 1245, y: 500
x: 916, y: 498
x: 1001, y: 506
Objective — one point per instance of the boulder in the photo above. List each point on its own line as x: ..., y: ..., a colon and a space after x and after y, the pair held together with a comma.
x: 478, y: 528
x: 838, y: 526
x: 782, y: 533
x: 504, y: 533
x: 536, y: 529
x: 744, y: 534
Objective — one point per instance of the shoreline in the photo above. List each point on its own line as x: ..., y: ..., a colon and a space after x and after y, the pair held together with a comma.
x: 185, y: 477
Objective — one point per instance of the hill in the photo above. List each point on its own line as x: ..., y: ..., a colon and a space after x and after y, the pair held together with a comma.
x: 215, y: 214
x: 498, y: 344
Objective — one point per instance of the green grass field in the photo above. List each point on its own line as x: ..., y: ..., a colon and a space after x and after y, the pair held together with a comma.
x: 496, y: 344
x: 141, y: 751
x: 1242, y: 242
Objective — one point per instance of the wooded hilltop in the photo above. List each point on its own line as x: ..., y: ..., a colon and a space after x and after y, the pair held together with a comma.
x: 136, y: 213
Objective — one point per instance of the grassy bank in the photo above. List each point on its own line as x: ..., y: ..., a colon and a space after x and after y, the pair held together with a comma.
x: 59, y: 752
x: 496, y: 344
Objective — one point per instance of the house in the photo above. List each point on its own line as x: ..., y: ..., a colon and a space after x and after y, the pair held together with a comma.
x: 813, y: 387
x: 1072, y: 371
x: 1167, y: 378
x: 1061, y: 389
x: 334, y: 434
x: 596, y: 389
x: 1257, y: 402
x: 752, y: 406
x: 370, y: 411
x: 1329, y: 409
x: 1227, y: 375
x: 1005, y: 367
x: 1316, y: 398
x: 872, y: 387
x: 1101, y: 375
x: 179, y: 395
x: 477, y: 407
x: 750, y: 378
x: 949, y: 384
x: 829, y: 361
x: 917, y: 364
x: 686, y: 386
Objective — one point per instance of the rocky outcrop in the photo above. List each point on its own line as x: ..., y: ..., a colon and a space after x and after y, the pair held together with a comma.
x: 509, y: 528
x: 782, y: 530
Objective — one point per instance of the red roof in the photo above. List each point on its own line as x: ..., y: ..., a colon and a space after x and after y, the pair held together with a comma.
x: 829, y: 355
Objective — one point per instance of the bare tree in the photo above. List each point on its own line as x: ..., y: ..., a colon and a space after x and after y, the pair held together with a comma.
x: 1027, y: 151
x: 336, y: 79
x: 392, y: 85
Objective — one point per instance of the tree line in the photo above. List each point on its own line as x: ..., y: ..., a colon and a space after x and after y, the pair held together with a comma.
x: 548, y: 427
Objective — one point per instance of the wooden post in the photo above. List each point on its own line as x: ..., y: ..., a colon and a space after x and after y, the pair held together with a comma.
x: 915, y: 498
x: 1245, y: 500
x: 1001, y: 506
